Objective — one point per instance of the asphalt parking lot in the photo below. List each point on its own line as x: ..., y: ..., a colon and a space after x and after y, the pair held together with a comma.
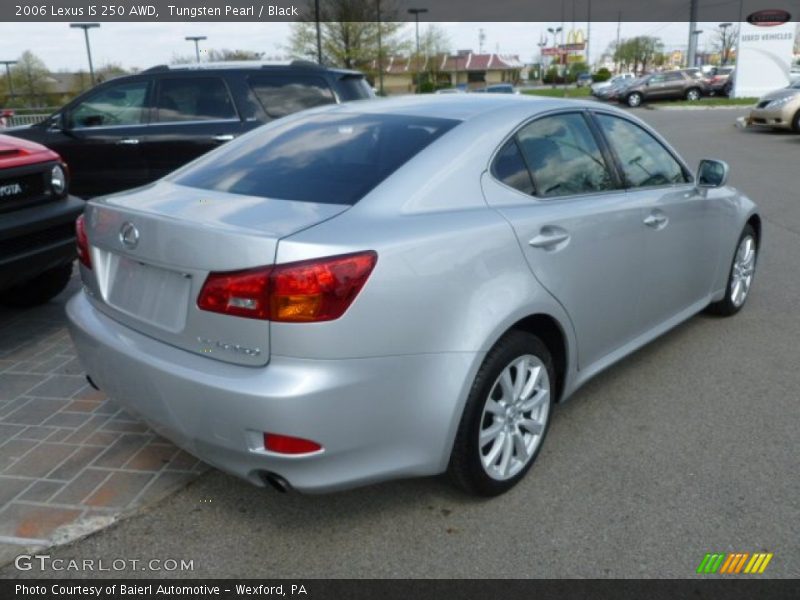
x: 689, y: 446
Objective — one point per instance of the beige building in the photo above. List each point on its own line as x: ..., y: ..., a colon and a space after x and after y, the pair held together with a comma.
x: 462, y: 69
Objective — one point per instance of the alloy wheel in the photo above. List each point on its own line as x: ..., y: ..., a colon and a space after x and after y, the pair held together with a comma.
x: 514, y: 417
x: 744, y: 266
x: 693, y: 95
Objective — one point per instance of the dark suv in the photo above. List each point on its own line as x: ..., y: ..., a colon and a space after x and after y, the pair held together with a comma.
x: 670, y: 85
x: 135, y: 129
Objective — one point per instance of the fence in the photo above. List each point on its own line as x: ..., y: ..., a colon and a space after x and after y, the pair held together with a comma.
x: 23, y: 116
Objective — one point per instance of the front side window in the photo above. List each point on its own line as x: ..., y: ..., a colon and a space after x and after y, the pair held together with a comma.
x: 644, y: 160
x: 282, y: 95
x: 564, y: 157
x: 327, y: 158
x: 116, y: 105
x: 194, y: 99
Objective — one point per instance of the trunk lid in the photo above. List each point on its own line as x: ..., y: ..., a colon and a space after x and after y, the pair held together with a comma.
x: 153, y: 248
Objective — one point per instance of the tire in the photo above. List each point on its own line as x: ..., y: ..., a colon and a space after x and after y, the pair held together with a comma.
x: 726, y: 91
x: 38, y: 290
x: 514, y: 432
x: 731, y: 304
x: 796, y: 122
x: 693, y: 94
x: 633, y: 100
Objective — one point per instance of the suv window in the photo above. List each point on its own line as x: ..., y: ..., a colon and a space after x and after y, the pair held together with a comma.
x: 194, y: 99
x: 673, y: 77
x: 121, y: 104
x: 644, y: 160
x: 281, y: 95
x: 328, y: 158
x: 353, y: 87
x: 510, y: 168
x: 564, y: 157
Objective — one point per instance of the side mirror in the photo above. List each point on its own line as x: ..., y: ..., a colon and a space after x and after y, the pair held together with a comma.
x: 712, y: 173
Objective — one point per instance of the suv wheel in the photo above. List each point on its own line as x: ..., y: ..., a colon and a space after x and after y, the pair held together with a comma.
x: 634, y: 99
x: 505, y: 418
x: 38, y: 290
x: 693, y: 94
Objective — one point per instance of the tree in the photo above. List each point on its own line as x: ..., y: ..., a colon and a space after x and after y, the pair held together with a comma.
x: 214, y: 55
x: 30, y: 78
x: 724, y: 42
x: 349, y: 36
x: 637, y: 53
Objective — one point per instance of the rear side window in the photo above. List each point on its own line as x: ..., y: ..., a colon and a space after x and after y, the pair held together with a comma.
x: 328, y: 158
x: 194, y: 99
x: 282, y: 95
x: 510, y: 168
x: 353, y: 87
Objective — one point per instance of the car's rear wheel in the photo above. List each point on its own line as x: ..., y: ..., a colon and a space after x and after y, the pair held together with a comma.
x: 740, y: 278
x: 38, y: 290
x: 506, y: 416
x: 693, y: 94
x: 634, y: 99
x: 796, y: 122
x: 727, y: 89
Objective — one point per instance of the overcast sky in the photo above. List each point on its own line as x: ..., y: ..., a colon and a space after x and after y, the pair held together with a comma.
x: 146, y: 44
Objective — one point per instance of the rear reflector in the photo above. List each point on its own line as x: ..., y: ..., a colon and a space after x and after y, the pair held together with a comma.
x: 285, y: 444
x: 83, y: 243
x: 301, y: 292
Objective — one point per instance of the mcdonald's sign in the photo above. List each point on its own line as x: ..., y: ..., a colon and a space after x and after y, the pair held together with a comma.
x: 734, y: 563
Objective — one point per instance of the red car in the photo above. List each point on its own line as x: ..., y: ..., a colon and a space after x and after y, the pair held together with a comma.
x: 37, y: 223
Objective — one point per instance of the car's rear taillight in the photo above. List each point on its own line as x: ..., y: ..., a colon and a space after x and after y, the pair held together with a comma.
x: 83, y: 243
x: 286, y: 444
x: 302, y: 292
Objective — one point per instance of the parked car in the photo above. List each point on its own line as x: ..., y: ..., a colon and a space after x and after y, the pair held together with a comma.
x: 410, y: 296
x: 670, y: 85
x: 613, y: 91
x: 779, y: 109
x: 602, y: 85
x: 583, y: 80
x: 501, y: 88
x: 135, y: 129
x: 720, y: 81
x: 37, y: 223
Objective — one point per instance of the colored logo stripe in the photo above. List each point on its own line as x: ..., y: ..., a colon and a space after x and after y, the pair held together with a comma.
x: 734, y: 563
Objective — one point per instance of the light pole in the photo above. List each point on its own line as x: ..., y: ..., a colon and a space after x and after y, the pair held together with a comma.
x: 86, y: 27
x: 726, y: 43
x: 555, y: 31
x: 319, y: 31
x: 196, y: 39
x: 8, y: 64
x: 417, y: 12
x: 542, y: 45
x: 380, y: 50
x: 696, y: 35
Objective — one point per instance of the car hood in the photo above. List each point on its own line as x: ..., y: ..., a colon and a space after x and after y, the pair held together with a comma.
x: 782, y: 93
x: 16, y: 152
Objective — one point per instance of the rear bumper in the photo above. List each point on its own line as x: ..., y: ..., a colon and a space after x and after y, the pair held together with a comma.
x: 377, y: 418
x: 36, y: 239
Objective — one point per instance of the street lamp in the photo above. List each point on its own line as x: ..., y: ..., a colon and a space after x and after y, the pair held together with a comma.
x: 417, y: 12
x: 196, y: 39
x: 696, y: 33
x: 726, y: 45
x: 8, y: 64
x: 380, y: 49
x: 319, y: 31
x: 555, y: 31
x: 86, y: 27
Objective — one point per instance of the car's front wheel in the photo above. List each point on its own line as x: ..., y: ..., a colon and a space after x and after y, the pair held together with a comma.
x: 38, y: 290
x: 740, y: 278
x: 634, y: 99
x: 506, y: 416
x: 796, y: 122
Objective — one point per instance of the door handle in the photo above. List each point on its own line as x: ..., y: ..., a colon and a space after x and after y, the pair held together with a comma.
x: 227, y: 137
x: 550, y: 238
x: 656, y: 220
x: 128, y: 141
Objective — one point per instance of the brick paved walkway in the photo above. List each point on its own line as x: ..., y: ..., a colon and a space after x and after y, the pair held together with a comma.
x: 71, y: 461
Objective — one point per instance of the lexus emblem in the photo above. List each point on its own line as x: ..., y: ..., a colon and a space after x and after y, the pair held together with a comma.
x: 129, y: 235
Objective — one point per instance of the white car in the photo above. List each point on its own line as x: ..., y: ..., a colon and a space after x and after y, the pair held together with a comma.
x: 601, y: 85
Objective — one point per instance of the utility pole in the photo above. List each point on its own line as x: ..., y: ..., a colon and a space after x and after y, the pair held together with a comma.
x: 616, y: 48
x: 319, y: 32
x: 692, y: 49
x: 8, y: 64
x: 417, y: 12
x: 196, y: 39
x: 726, y: 42
x: 86, y: 27
x: 380, y: 50
x: 589, y: 35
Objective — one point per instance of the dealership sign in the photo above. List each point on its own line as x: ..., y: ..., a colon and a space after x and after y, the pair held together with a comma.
x: 764, y: 56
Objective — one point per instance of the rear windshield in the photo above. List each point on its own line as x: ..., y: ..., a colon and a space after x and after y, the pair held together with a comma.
x: 353, y: 87
x: 329, y: 158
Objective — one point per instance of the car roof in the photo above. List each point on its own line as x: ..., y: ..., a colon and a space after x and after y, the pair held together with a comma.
x: 289, y: 65
x: 463, y: 107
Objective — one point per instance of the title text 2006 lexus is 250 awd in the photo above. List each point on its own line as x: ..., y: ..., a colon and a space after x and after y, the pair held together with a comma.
x: 400, y: 287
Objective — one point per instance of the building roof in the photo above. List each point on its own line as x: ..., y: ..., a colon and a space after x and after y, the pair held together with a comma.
x: 467, y: 61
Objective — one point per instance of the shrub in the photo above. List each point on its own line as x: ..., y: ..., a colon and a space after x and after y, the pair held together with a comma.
x: 602, y: 74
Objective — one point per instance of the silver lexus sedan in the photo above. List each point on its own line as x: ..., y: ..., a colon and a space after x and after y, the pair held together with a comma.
x: 400, y: 287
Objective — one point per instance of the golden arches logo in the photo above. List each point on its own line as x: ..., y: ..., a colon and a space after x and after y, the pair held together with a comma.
x: 576, y: 36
